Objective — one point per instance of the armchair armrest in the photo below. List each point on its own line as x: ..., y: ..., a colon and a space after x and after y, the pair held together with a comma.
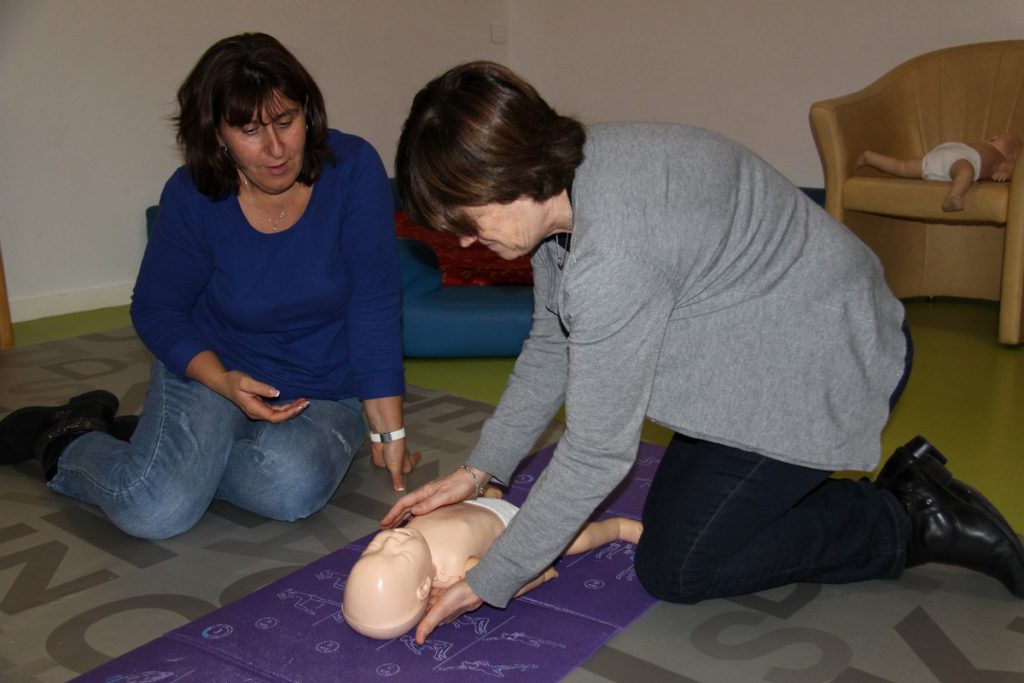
x: 876, y: 118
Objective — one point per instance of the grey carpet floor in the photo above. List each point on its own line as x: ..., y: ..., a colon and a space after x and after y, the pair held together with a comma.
x: 75, y: 592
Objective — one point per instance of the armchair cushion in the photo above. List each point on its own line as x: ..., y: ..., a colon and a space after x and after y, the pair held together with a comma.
x: 922, y: 199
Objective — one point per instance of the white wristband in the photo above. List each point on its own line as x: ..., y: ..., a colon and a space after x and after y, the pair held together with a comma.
x: 385, y: 437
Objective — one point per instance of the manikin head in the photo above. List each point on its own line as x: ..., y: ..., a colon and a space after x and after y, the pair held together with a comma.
x: 1008, y: 145
x: 387, y: 589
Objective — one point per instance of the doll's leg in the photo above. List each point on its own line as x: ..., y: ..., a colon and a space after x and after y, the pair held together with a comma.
x: 596, y: 534
x: 962, y: 173
x: 904, y: 168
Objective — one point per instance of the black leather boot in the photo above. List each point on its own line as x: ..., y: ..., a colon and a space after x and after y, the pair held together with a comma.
x: 43, y: 432
x: 123, y: 427
x: 917, y: 461
x: 951, y: 522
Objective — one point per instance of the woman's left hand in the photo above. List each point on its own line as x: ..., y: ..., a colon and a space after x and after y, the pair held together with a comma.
x: 452, y: 488
x: 445, y: 607
x: 394, y: 456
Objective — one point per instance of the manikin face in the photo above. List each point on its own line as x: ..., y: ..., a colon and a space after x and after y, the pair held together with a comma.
x: 387, y: 589
x: 403, y: 546
x: 1008, y: 145
x: 515, y: 229
x: 269, y: 149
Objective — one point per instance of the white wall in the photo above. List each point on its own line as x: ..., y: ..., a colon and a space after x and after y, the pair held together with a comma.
x: 747, y: 68
x: 86, y: 89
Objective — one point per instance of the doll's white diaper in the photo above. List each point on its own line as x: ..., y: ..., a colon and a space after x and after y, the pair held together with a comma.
x: 502, y: 508
x: 936, y: 164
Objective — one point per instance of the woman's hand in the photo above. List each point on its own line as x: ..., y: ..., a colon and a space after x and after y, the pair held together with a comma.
x: 245, y: 392
x: 448, y: 490
x: 445, y: 607
x: 394, y: 456
x: 250, y: 394
x: 384, y: 414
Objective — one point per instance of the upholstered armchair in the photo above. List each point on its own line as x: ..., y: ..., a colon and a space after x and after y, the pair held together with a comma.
x: 967, y: 94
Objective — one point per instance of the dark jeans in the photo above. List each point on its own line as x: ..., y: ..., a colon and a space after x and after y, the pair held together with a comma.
x: 721, y: 521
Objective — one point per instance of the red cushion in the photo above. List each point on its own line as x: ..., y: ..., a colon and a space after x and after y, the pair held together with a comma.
x: 472, y: 265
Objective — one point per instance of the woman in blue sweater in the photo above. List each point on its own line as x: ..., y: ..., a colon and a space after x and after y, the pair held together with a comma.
x: 270, y: 296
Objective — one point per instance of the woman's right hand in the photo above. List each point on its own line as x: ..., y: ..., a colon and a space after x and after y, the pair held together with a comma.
x: 452, y: 488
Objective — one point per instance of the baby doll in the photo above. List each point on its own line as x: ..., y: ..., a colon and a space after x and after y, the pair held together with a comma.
x: 959, y: 162
x: 389, y: 587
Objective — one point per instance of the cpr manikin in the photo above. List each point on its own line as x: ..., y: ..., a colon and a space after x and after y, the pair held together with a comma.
x: 959, y: 162
x: 388, y: 589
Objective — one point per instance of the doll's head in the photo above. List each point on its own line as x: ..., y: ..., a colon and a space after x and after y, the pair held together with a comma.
x: 387, y: 589
x: 1008, y: 145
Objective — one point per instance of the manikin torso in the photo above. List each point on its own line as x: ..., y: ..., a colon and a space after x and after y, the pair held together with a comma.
x: 458, y: 536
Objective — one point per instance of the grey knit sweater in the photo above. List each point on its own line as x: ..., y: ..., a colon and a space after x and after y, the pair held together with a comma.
x: 704, y: 291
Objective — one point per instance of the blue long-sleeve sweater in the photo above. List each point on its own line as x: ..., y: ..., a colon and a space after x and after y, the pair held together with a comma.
x: 313, y: 311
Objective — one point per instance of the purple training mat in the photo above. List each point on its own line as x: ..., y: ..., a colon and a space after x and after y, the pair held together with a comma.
x: 293, y: 630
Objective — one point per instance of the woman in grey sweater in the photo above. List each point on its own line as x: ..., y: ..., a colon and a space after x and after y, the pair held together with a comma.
x: 678, y: 277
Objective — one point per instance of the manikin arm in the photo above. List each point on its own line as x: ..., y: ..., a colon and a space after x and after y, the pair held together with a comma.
x: 596, y: 534
x: 471, y: 562
x: 592, y: 535
x: 1002, y: 172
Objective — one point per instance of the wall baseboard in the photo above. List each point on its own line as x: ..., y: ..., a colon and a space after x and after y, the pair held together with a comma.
x: 46, y: 305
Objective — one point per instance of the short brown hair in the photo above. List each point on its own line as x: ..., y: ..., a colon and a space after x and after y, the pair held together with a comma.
x: 479, y: 134
x: 236, y: 78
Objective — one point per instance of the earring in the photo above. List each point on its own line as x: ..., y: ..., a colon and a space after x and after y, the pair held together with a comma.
x: 223, y: 149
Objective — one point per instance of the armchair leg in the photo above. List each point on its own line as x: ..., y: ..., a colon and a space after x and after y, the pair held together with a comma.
x: 1011, y: 294
x: 1011, y: 322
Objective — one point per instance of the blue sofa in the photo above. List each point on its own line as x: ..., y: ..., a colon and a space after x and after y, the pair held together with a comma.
x: 442, y: 321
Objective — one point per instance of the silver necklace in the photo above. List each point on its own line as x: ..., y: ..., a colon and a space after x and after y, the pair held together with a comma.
x: 274, y: 223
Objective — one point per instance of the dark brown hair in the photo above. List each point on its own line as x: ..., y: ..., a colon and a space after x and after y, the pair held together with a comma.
x: 479, y: 134
x: 237, y: 78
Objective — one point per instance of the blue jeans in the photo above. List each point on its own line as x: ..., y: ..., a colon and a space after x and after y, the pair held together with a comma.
x: 193, y: 445
x: 720, y: 521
